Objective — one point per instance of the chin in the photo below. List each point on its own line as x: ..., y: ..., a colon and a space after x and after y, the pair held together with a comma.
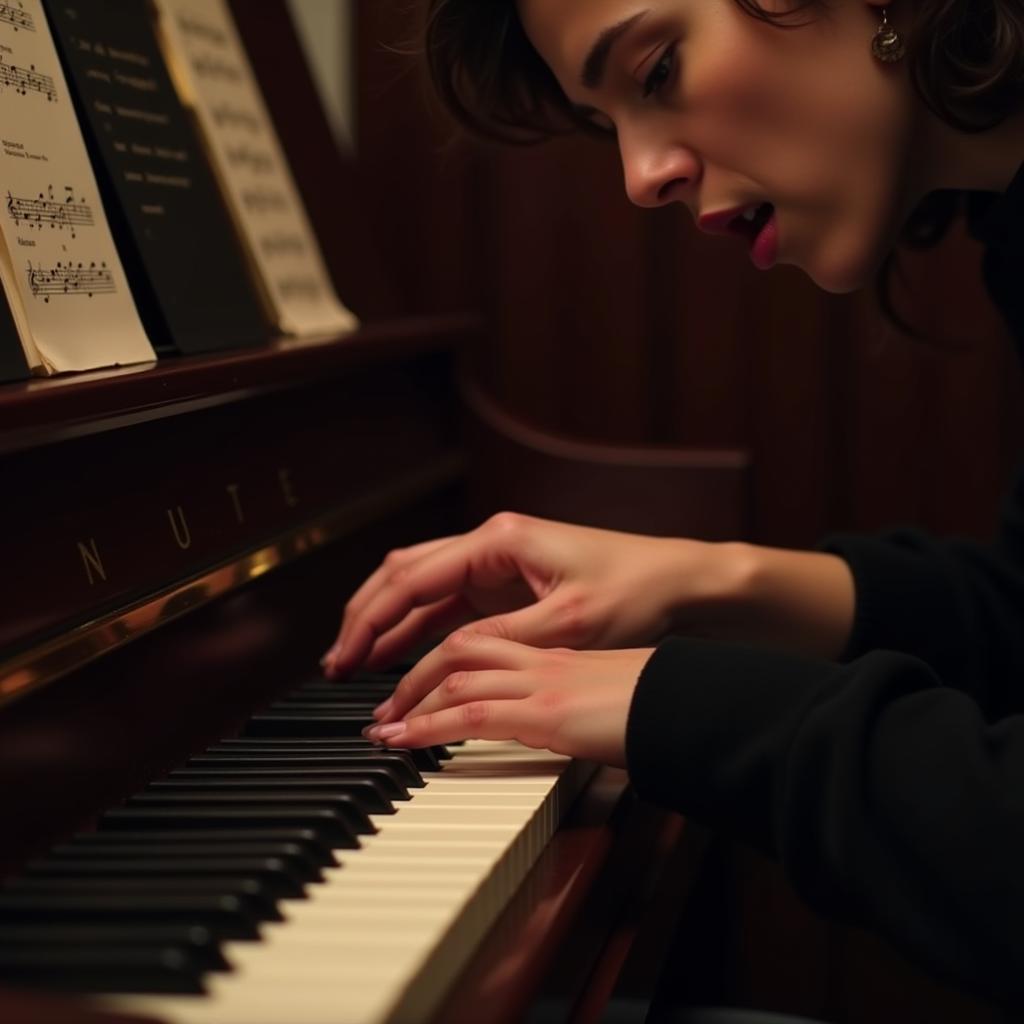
x: 841, y: 273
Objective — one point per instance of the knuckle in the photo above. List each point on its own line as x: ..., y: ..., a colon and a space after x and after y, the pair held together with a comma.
x: 505, y: 522
x: 397, y: 575
x: 475, y: 714
x: 394, y: 558
x: 455, y: 683
x: 457, y: 641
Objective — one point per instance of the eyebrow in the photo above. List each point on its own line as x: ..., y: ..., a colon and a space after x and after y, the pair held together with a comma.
x: 597, y: 60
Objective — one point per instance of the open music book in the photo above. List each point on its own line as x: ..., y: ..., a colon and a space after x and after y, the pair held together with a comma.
x: 177, y: 243
x: 59, y: 268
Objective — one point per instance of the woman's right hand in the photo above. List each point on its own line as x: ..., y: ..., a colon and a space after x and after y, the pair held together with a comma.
x: 537, y: 582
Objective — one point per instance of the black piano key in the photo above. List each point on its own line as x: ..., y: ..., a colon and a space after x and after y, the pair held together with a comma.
x: 307, y: 840
x: 418, y: 760
x: 226, y: 917
x: 289, y: 724
x: 284, y: 759
x: 199, y: 942
x: 326, y: 705
x: 132, y: 970
x: 297, y: 860
x: 442, y: 753
x: 272, y: 873
x: 369, y: 792
x: 254, y: 896
x: 362, y: 698
x: 386, y: 778
x: 206, y: 821
x: 341, y: 805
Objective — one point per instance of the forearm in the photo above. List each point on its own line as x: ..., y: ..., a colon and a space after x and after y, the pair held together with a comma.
x: 800, y: 602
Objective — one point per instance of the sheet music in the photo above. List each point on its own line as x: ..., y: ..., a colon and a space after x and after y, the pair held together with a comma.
x: 155, y: 181
x: 214, y: 74
x: 60, y: 269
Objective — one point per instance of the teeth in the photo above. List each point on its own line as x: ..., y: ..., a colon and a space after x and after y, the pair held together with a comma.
x: 750, y: 213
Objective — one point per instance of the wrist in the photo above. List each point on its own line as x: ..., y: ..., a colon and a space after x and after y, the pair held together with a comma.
x: 715, y: 586
x: 797, y: 601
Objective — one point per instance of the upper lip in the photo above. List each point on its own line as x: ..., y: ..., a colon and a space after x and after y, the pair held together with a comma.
x: 723, y: 222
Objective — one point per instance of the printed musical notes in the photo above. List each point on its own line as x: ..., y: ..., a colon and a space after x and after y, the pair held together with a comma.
x: 17, y: 17
x: 56, y: 249
x: 187, y: 272
x: 26, y: 80
x: 250, y: 165
x: 70, y: 279
x: 46, y: 210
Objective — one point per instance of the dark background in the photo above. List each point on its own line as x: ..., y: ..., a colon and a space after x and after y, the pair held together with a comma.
x: 613, y: 324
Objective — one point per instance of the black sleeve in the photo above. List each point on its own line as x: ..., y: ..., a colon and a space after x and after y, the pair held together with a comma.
x: 957, y: 605
x: 890, y: 800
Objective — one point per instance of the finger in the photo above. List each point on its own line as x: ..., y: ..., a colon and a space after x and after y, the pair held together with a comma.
x: 478, y: 720
x: 437, y: 575
x: 464, y: 687
x: 462, y: 651
x: 433, y: 622
x: 559, y: 620
x: 378, y: 577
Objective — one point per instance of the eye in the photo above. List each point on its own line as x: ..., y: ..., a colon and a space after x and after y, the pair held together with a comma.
x: 661, y: 72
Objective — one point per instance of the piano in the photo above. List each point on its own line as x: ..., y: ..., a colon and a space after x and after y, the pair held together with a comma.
x: 191, y: 827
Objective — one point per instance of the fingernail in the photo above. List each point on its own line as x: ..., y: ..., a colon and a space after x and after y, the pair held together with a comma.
x: 370, y: 732
x: 384, y: 709
x: 389, y: 732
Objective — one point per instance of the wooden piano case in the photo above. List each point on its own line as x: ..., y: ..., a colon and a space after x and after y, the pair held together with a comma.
x: 177, y: 542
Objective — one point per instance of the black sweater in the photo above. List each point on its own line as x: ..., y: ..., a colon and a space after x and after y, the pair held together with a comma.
x: 891, y: 785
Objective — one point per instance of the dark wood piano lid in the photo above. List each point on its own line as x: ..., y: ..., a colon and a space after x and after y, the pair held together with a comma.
x: 40, y: 411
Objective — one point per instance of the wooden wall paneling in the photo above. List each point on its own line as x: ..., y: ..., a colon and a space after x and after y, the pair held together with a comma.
x: 700, y: 375
x: 783, y: 322
x: 421, y: 178
x: 568, y: 253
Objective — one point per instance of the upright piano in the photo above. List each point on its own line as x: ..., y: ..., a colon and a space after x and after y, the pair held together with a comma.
x: 191, y: 827
x: 191, y: 830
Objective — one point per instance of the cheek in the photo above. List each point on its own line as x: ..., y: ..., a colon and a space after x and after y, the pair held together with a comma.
x: 823, y: 132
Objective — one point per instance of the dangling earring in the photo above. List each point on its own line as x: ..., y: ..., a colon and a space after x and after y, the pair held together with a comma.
x: 887, y: 45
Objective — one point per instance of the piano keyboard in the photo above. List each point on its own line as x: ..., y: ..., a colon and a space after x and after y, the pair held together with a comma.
x: 294, y: 874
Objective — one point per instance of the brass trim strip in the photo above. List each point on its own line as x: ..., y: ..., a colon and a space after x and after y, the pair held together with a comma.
x: 48, y: 661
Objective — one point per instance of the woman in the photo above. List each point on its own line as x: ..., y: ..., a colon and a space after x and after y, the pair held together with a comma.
x: 853, y: 710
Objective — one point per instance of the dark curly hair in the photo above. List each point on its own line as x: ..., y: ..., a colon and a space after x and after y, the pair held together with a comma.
x: 966, y: 60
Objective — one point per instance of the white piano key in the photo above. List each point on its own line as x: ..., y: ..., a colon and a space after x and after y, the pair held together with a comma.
x: 384, y: 935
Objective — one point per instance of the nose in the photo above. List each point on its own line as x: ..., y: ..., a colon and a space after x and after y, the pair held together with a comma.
x: 658, y: 173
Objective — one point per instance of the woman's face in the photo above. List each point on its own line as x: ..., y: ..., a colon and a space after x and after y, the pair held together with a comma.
x: 723, y: 112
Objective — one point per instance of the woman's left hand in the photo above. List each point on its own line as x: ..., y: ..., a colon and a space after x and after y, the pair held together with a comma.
x: 474, y: 686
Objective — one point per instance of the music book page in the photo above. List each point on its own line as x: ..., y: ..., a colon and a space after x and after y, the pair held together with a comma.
x: 178, y: 246
x: 61, y: 272
x: 212, y: 69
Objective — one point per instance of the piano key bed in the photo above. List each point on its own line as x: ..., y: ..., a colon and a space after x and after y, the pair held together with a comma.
x: 291, y: 875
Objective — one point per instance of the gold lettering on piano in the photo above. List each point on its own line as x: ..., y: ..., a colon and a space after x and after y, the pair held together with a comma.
x: 91, y: 559
x: 232, y: 489
x: 285, y: 477
x: 179, y: 528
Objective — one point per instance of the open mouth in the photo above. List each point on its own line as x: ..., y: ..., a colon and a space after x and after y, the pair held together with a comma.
x: 752, y: 221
